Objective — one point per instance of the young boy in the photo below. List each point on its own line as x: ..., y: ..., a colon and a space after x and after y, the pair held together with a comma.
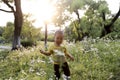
x: 59, y: 54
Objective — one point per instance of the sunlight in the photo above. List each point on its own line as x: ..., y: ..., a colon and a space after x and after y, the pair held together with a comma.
x: 46, y: 10
x: 42, y: 11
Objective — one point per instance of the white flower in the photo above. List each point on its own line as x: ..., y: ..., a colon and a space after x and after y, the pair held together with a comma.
x: 24, y: 72
x: 37, y: 73
x: 39, y: 60
x: 50, y: 79
x: 32, y: 61
x: 31, y: 69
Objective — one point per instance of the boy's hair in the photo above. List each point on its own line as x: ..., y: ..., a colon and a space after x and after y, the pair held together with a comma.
x: 59, y: 32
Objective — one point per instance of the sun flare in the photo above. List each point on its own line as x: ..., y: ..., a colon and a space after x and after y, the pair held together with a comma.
x: 44, y: 10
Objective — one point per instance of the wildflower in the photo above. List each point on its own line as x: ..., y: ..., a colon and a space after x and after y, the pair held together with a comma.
x: 111, y: 75
x: 24, y: 72
x: 39, y: 60
x: 32, y: 61
x: 31, y: 69
x: 50, y: 79
x: 37, y: 73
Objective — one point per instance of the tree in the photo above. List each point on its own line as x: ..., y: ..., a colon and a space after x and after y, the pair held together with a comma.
x: 75, y: 6
x: 1, y: 30
x: 89, y: 29
x: 95, y: 13
x: 29, y: 32
x: 46, y: 36
x: 101, y: 11
x: 18, y: 21
x: 8, y: 32
x: 71, y: 32
x: 115, y: 34
x: 1, y: 34
x: 60, y: 17
x: 108, y: 27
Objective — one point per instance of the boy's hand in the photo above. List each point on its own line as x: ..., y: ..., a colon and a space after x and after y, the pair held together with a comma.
x: 45, y: 53
x: 41, y: 51
x: 72, y: 58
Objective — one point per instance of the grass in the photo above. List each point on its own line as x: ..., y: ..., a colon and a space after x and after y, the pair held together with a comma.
x: 94, y: 60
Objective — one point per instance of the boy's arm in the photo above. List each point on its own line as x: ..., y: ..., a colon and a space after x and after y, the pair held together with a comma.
x: 70, y: 56
x: 45, y: 53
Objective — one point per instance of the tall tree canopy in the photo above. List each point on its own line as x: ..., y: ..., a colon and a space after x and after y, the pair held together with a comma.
x: 97, y: 19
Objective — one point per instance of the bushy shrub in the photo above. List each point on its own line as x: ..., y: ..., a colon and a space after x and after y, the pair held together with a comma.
x: 50, y: 37
x: 26, y: 43
x: 2, y: 40
x: 113, y: 35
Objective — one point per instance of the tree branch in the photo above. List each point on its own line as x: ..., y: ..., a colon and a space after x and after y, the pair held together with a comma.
x: 6, y: 11
x: 115, y: 18
x: 7, y: 3
x: 103, y: 16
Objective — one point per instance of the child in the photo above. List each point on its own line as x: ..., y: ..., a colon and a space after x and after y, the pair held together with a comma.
x: 59, y: 54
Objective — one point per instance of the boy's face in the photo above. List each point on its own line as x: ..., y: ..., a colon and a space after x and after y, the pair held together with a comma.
x: 58, y: 39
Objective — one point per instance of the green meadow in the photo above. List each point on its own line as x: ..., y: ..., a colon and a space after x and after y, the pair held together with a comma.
x: 95, y: 59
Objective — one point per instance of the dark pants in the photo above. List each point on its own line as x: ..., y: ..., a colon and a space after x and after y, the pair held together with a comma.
x: 64, y: 67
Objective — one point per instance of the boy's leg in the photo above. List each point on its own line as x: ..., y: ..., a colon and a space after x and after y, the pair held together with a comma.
x: 57, y: 73
x: 66, y: 70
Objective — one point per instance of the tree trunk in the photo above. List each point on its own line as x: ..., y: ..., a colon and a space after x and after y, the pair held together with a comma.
x: 103, y: 33
x: 78, y: 32
x: 18, y: 21
x: 78, y: 29
x: 78, y: 16
x: 46, y: 36
x: 107, y: 28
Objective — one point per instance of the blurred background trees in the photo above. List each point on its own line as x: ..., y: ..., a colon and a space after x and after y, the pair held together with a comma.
x: 29, y: 34
x: 97, y: 21
x: 78, y: 18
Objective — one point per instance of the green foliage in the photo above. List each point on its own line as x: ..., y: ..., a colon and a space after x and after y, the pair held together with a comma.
x: 29, y: 32
x: 96, y: 16
x: 1, y: 33
x: 76, y: 4
x: 99, y: 61
x: 71, y: 33
x: 50, y: 37
x: 95, y: 59
x: 2, y: 39
x: 87, y: 28
x: 8, y: 32
x: 60, y: 17
x: 92, y: 24
x: 115, y: 34
x: 27, y: 43
x: 25, y: 64
x: 1, y: 30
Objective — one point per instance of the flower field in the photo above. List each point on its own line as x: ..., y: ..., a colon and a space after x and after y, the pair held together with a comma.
x: 95, y: 59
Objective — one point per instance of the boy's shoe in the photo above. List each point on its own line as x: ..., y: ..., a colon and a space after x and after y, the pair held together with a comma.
x: 66, y: 77
x: 56, y: 78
